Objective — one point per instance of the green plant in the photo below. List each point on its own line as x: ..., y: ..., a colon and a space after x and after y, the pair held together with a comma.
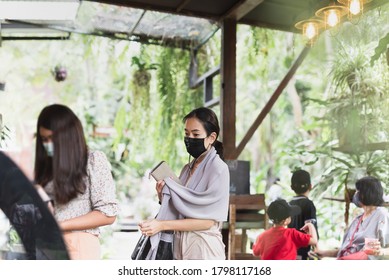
x: 141, y: 81
x: 356, y: 105
x: 143, y: 65
x: 355, y: 113
x: 176, y: 100
x: 382, y: 47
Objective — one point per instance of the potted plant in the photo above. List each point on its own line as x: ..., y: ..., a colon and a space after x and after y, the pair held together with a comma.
x: 141, y: 81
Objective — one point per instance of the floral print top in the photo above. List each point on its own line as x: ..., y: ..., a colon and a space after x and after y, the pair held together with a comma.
x: 99, y: 194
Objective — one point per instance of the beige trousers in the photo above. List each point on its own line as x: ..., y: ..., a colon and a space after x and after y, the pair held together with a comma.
x: 82, y: 245
x: 199, y: 245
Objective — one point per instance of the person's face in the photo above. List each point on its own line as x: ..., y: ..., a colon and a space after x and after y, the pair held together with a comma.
x: 46, y: 134
x: 194, y: 129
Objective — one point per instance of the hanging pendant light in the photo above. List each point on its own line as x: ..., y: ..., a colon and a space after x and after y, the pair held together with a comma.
x: 331, y: 14
x: 310, y: 29
x: 355, y: 7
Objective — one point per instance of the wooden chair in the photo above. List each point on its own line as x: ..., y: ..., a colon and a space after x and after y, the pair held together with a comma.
x: 245, y: 212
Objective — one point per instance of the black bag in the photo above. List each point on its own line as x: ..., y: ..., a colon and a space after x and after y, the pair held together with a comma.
x: 165, y: 250
x: 143, y: 246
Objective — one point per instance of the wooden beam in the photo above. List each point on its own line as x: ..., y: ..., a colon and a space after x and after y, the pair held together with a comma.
x: 208, y: 89
x: 212, y: 103
x: 269, y: 105
x: 193, y: 69
x: 228, y: 87
x: 158, y: 8
x: 369, y: 147
x: 136, y: 24
x: 263, y: 24
x: 240, y: 9
x: 182, y: 5
x: 209, y: 74
x: 33, y: 38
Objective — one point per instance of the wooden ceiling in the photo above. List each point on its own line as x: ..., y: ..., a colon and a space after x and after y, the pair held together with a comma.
x: 273, y: 14
x: 167, y: 22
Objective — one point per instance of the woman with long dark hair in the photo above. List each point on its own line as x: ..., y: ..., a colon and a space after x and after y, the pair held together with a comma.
x: 196, y: 208
x: 78, y: 180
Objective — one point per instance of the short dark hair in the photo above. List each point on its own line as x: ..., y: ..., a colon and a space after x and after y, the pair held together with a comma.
x: 280, y: 209
x: 300, y: 181
x: 370, y: 191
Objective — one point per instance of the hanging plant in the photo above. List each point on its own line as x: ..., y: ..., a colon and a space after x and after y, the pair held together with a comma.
x: 60, y: 73
x: 141, y: 81
x: 177, y: 99
x: 140, y: 101
x: 142, y: 75
x: 134, y: 119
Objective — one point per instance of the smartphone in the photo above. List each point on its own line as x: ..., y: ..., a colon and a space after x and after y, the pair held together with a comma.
x: 162, y: 170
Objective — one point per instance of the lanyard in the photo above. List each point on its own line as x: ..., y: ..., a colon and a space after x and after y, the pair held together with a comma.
x: 346, y: 251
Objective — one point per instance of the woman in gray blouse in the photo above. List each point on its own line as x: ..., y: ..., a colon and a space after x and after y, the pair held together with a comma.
x: 196, y: 208
x: 78, y: 180
x: 372, y: 223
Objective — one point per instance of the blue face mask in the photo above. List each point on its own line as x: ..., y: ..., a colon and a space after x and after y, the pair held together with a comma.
x: 356, y: 200
x: 49, y: 147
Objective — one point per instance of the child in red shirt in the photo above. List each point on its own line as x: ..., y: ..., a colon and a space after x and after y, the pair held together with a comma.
x: 281, y: 242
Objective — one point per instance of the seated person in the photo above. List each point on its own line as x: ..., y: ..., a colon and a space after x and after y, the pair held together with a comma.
x: 372, y: 223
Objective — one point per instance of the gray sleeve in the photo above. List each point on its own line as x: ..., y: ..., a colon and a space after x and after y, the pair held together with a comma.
x: 383, y: 231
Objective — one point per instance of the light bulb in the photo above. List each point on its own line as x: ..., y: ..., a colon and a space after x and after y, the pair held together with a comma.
x: 310, y: 30
x: 332, y: 18
x: 355, y: 7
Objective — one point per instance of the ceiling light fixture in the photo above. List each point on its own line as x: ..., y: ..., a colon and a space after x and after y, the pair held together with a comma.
x: 355, y: 7
x: 310, y: 29
x: 331, y: 14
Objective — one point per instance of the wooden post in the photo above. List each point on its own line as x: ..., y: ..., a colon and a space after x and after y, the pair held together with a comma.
x: 228, y: 87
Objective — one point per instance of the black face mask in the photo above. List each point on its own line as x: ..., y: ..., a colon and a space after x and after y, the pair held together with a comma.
x: 356, y: 200
x: 195, y: 146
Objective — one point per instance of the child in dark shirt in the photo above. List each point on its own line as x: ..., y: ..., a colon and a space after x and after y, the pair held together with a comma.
x: 301, y: 185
